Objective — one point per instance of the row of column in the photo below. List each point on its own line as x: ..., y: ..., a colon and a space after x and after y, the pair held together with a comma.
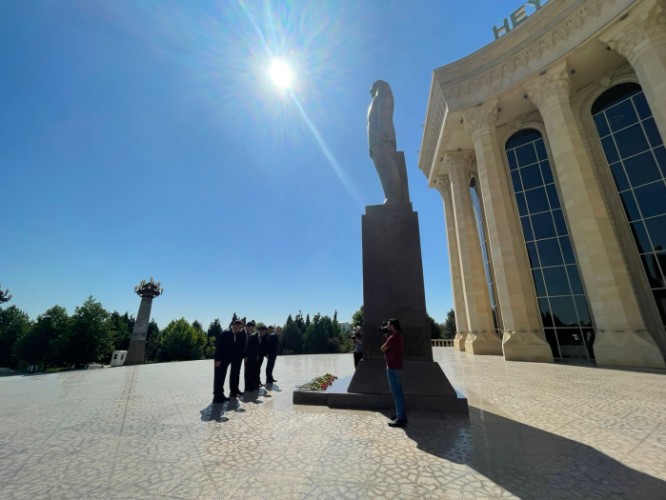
x: 621, y: 336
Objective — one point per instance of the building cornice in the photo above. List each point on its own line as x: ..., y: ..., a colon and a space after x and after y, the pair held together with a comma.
x: 549, y: 34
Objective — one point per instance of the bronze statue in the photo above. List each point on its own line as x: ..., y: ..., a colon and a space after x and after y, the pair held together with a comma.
x: 390, y: 164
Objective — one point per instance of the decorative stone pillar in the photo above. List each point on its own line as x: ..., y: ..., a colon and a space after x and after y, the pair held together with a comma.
x: 480, y: 338
x: 443, y: 185
x: 523, y: 338
x: 621, y: 337
x: 641, y: 40
x: 147, y: 290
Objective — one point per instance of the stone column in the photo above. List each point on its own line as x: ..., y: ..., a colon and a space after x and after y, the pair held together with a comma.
x: 443, y: 185
x: 523, y: 338
x: 621, y: 337
x: 641, y: 40
x: 480, y: 337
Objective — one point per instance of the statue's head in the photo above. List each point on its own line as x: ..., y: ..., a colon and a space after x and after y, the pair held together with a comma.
x: 379, y: 86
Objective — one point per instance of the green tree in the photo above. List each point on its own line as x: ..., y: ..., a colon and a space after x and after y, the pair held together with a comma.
x: 152, y: 341
x: 214, y: 331
x: 121, y: 328
x: 316, y: 336
x: 449, y: 328
x: 358, y: 318
x: 292, y: 339
x: 39, y: 344
x: 14, y: 324
x: 435, y: 329
x: 180, y: 341
x: 90, y: 337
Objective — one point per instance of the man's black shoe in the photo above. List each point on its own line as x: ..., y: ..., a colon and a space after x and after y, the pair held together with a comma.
x: 271, y: 381
x: 220, y: 400
x: 397, y: 423
x: 236, y: 394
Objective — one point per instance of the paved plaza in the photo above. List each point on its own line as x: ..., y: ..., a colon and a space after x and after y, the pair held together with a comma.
x: 534, y: 431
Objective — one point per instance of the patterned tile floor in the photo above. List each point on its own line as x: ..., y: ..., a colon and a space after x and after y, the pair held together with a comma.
x: 534, y: 431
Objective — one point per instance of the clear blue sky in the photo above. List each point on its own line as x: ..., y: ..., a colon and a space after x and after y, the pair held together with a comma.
x: 144, y: 138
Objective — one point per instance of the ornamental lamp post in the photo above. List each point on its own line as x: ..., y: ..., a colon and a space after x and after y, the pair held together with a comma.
x: 147, y: 290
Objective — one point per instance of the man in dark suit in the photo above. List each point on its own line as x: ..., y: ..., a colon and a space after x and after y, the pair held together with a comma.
x: 263, y: 352
x: 273, y: 344
x: 237, y: 355
x: 224, y: 356
x: 251, y: 357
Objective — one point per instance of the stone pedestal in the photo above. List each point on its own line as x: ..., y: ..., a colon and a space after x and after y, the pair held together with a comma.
x: 393, y: 288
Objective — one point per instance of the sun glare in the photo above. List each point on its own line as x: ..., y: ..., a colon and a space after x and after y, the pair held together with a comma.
x: 281, y: 74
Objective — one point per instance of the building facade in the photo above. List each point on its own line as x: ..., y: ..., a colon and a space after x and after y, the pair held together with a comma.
x: 547, y: 147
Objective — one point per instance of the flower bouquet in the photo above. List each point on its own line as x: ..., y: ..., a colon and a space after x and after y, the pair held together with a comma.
x: 321, y: 383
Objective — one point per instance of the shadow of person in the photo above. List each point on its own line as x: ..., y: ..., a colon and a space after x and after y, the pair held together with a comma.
x: 252, y: 397
x: 272, y: 386
x: 530, y: 462
x: 234, y: 405
x: 213, y: 412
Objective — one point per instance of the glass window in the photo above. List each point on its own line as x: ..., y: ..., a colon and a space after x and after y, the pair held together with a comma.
x: 531, y: 176
x: 546, y: 236
x: 631, y: 141
x: 602, y: 126
x: 538, y: 283
x: 621, y: 115
x: 620, y: 177
x: 564, y: 311
x: 527, y: 228
x: 526, y: 154
x: 583, y: 313
x: 630, y: 206
x: 534, y: 256
x: 546, y: 312
x: 652, y: 132
x: 549, y: 252
x: 651, y: 198
x: 641, y: 236
x: 567, y: 250
x: 556, y: 277
x: 656, y: 228
x: 515, y: 178
x: 608, y: 144
x: 641, y: 181
x: 560, y: 224
x: 553, y: 197
x: 543, y: 226
x: 574, y: 279
x: 536, y: 200
x: 642, y: 169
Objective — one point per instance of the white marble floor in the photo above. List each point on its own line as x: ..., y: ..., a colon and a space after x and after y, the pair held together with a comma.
x: 534, y: 431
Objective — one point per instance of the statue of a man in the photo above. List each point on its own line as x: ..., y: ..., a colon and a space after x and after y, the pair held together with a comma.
x: 381, y: 139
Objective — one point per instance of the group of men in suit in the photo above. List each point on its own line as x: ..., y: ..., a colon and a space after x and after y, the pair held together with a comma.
x: 241, y: 343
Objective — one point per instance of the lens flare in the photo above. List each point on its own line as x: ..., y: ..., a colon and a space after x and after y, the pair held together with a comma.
x: 281, y: 74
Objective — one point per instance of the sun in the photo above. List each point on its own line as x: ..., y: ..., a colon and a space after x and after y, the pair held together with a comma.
x: 281, y: 74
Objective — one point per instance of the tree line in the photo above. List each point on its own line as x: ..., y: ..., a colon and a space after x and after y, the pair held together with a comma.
x: 56, y: 339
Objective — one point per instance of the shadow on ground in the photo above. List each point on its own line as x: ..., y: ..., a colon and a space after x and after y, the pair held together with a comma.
x: 529, y: 462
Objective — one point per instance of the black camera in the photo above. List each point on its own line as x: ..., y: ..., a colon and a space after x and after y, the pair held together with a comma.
x: 384, y: 327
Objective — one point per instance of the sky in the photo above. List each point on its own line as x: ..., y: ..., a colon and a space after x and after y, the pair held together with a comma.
x: 145, y: 138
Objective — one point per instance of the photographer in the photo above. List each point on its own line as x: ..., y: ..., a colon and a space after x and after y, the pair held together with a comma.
x: 357, y: 339
x: 392, y: 349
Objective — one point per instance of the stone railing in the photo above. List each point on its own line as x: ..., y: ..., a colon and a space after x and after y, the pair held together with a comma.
x: 442, y: 342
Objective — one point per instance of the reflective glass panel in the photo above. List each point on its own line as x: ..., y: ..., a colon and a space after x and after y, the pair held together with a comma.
x: 641, y: 181
x: 554, y: 269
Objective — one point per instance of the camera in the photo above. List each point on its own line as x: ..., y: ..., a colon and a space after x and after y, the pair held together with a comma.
x: 384, y: 327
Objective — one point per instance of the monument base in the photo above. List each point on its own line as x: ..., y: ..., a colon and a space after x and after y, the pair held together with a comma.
x: 136, y: 352
x: 424, y: 385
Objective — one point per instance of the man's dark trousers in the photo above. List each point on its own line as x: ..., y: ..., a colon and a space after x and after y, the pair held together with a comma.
x: 219, y: 376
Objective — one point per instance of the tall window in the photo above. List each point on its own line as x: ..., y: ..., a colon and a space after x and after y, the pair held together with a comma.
x: 481, y: 230
x: 559, y: 290
x: 635, y: 153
